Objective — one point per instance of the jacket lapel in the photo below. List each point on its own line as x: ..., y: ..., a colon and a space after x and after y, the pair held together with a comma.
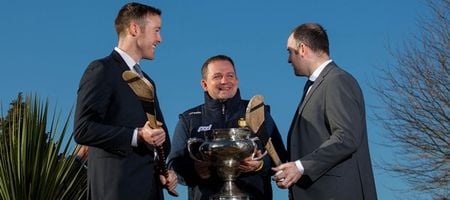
x: 316, y: 85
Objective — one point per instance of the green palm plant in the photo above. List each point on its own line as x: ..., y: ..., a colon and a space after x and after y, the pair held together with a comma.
x: 37, y: 158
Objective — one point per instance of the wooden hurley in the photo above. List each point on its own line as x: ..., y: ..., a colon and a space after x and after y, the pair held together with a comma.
x: 144, y: 90
x: 254, y: 116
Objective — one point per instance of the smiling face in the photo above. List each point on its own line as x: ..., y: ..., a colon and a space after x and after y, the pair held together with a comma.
x: 149, y: 36
x: 220, y: 81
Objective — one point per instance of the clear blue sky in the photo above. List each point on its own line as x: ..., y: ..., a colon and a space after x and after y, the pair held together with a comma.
x: 46, y: 45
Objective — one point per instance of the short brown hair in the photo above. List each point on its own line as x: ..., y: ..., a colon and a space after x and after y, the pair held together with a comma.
x: 215, y: 58
x: 313, y: 35
x: 133, y: 11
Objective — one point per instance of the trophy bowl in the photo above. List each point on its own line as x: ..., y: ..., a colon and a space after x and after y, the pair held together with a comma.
x: 224, y: 148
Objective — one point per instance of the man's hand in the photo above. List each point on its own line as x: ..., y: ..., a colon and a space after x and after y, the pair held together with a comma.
x: 155, y: 137
x: 202, y: 169
x: 170, y: 182
x: 250, y: 165
x: 83, y: 152
x: 286, y: 175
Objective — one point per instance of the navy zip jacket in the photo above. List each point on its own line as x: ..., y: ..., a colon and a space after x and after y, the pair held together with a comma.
x: 214, y: 114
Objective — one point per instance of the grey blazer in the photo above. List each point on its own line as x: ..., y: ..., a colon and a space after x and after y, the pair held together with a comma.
x: 107, y: 112
x: 328, y: 134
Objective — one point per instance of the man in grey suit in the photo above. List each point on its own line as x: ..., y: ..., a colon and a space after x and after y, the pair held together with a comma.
x: 111, y: 120
x: 327, y: 140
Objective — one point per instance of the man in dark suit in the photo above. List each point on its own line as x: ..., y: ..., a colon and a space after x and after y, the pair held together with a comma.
x: 327, y: 140
x: 111, y: 120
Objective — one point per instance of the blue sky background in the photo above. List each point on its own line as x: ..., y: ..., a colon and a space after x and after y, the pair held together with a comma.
x: 46, y: 45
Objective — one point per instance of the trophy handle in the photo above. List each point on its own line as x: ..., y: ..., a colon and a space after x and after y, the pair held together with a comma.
x: 254, y: 139
x: 190, y: 142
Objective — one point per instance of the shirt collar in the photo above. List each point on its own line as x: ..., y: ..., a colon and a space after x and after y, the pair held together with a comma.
x: 127, y: 58
x: 319, y: 69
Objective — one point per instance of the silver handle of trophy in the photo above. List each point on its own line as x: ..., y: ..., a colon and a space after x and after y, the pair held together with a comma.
x: 192, y: 141
x: 254, y: 139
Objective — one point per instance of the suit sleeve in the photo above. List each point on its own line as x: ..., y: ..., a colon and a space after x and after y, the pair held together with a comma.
x: 93, y: 101
x: 344, y: 119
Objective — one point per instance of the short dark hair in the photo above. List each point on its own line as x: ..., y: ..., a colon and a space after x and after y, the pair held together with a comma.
x: 215, y: 58
x: 312, y: 35
x: 133, y: 11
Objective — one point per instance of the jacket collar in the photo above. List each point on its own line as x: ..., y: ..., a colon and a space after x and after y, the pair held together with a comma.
x: 118, y: 58
x: 211, y: 103
x: 317, y: 83
x: 325, y: 72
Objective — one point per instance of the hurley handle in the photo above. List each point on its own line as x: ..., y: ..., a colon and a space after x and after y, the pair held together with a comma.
x: 161, y: 155
x: 144, y: 90
x: 272, y: 152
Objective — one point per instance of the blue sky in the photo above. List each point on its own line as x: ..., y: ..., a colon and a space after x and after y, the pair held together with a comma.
x: 46, y: 45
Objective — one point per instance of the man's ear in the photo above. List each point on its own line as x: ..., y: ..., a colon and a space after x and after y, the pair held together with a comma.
x: 303, y: 49
x: 204, y: 85
x: 133, y: 28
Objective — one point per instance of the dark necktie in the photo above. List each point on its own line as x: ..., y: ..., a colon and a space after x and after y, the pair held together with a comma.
x: 305, y: 89
x: 138, y: 70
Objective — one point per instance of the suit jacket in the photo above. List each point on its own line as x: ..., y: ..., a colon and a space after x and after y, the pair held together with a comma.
x: 107, y: 112
x: 328, y: 134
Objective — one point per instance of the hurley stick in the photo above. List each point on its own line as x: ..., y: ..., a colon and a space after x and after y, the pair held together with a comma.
x: 254, y: 116
x: 144, y: 90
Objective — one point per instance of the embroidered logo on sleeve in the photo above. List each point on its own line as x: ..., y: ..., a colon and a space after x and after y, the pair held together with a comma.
x: 204, y: 128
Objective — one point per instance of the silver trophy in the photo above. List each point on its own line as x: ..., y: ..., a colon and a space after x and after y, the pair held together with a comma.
x: 225, y: 148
